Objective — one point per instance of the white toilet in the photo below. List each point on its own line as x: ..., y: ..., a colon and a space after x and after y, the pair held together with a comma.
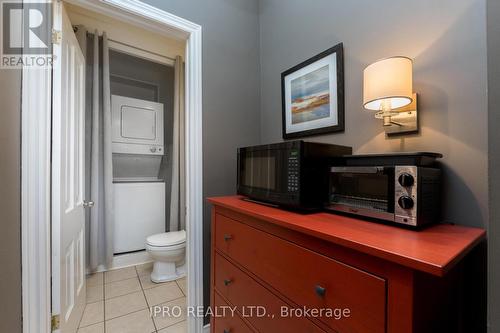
x: 168, y: 251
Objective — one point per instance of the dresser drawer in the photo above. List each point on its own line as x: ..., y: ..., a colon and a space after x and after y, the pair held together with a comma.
x: 307, y: 278
x: 228, y: 323
x: 241, y: 291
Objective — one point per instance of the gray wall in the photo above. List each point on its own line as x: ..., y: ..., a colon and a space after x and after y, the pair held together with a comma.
x: 447, y: 40
x: 230, y: 91
x: 10, y: 203
x: 493, y: 33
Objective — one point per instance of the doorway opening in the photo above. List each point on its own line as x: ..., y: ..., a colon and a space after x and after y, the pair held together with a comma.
x: 151, y: 160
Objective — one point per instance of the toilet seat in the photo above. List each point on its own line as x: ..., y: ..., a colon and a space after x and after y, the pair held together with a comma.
x: 167, y: 239
x: 160, y: 249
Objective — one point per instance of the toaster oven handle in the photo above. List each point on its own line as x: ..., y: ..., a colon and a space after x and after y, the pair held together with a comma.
x: 357, y: 169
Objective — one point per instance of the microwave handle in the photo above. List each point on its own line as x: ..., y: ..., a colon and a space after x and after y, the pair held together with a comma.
x: 357, y: 169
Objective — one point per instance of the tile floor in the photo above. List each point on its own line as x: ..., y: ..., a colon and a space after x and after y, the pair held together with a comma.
x: 119, y: 301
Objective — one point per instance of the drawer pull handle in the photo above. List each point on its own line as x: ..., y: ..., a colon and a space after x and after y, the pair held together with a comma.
x: 227, y: 331
x: 227, y: 282
x: 227, y: 237
x: 320, y: 291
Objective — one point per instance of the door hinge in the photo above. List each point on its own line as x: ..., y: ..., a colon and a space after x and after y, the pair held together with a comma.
x: 56, y: 36
x: 55, y: 322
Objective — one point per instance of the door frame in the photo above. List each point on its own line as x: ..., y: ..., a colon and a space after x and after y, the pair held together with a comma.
x: 36, y: 117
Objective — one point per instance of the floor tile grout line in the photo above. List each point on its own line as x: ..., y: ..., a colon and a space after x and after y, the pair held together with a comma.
x: 114, y: 270
x: 150, y: 306
x: 101, y: 300
x: 104, y: 306
x: 178, y: 286
x: 138, y: 276
x: 129, y: 278
x: 124, y: 315
x: 162, y: 284
x: 104, y: 300
x: 98, y: 322
x: 147, y: 308
x: 84, y: 308
x: 175, y: 299
x: 102, y: 321
x: 147, y: 303
x: 177, y: 323
x: 128, y: 293
x: 144, y: 293
x: 80, y: 322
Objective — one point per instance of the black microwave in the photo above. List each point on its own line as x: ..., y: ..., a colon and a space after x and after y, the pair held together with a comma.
x: 292, y: 174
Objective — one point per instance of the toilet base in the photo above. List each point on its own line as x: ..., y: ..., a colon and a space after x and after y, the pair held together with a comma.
x: 166, y: 271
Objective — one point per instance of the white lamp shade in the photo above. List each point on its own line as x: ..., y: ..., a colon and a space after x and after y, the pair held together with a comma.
x: 388, y: 80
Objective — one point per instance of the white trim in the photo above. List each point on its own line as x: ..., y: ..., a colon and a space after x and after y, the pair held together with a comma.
x: 194, y: 176
x: 126, y: 260
x: 35, y: 199
x: 206, y: 328
x: 140, y: 53
x: 142, y: 15
x: 36, y: 97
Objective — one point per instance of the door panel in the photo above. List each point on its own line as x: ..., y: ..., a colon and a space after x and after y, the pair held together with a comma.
x: 68, y: 231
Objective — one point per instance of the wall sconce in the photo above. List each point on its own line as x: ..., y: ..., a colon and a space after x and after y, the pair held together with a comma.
x: 388, y: 89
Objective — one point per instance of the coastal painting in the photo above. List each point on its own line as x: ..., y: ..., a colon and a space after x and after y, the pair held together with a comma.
x: 313, y: 95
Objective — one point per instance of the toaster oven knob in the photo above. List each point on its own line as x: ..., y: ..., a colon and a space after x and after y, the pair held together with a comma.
x: 405, y: 202
x: 406, y: 180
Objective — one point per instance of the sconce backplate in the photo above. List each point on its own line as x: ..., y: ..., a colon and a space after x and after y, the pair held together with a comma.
x: 405, y: 121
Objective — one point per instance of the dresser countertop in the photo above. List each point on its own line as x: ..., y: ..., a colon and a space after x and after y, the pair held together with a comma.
x: 435, y: 249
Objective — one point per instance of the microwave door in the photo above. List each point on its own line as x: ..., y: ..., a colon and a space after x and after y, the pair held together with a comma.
x: 258, y: 170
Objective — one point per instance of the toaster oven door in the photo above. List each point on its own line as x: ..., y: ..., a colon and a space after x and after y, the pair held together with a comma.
x: 367, y: 191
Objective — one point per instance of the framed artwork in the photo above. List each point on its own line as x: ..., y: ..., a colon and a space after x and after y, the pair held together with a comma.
x: 312, y: 95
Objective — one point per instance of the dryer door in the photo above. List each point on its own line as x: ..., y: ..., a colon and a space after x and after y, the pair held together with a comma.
x: 137, y: 126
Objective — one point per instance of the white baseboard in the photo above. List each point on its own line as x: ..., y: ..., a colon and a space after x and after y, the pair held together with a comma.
x: 125, y: 260
x: 206, y: 328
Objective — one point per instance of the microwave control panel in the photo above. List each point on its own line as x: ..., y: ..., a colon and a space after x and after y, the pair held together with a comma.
x: 405, y: 195
x: 293, y: 171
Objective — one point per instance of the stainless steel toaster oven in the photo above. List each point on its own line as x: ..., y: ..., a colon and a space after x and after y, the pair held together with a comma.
x: 403, y: 194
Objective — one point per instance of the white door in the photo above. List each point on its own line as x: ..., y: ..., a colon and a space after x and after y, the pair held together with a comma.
x: 68, y: 231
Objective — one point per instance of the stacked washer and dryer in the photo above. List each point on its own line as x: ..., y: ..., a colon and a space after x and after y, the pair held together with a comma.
x: 139, y: 190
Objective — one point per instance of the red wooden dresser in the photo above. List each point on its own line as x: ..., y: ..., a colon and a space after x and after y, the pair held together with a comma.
x: 273, y: 266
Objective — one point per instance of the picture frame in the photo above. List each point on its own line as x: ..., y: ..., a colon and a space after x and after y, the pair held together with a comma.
x: 312, y: 94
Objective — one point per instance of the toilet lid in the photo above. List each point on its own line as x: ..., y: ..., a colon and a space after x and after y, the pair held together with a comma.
x: 167, y: 238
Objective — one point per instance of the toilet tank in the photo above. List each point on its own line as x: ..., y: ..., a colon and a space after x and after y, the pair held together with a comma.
x: 137, y: 126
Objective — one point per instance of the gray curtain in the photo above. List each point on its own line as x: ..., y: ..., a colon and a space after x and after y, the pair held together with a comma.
x: 100, y: 221
x: 178, y: 189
